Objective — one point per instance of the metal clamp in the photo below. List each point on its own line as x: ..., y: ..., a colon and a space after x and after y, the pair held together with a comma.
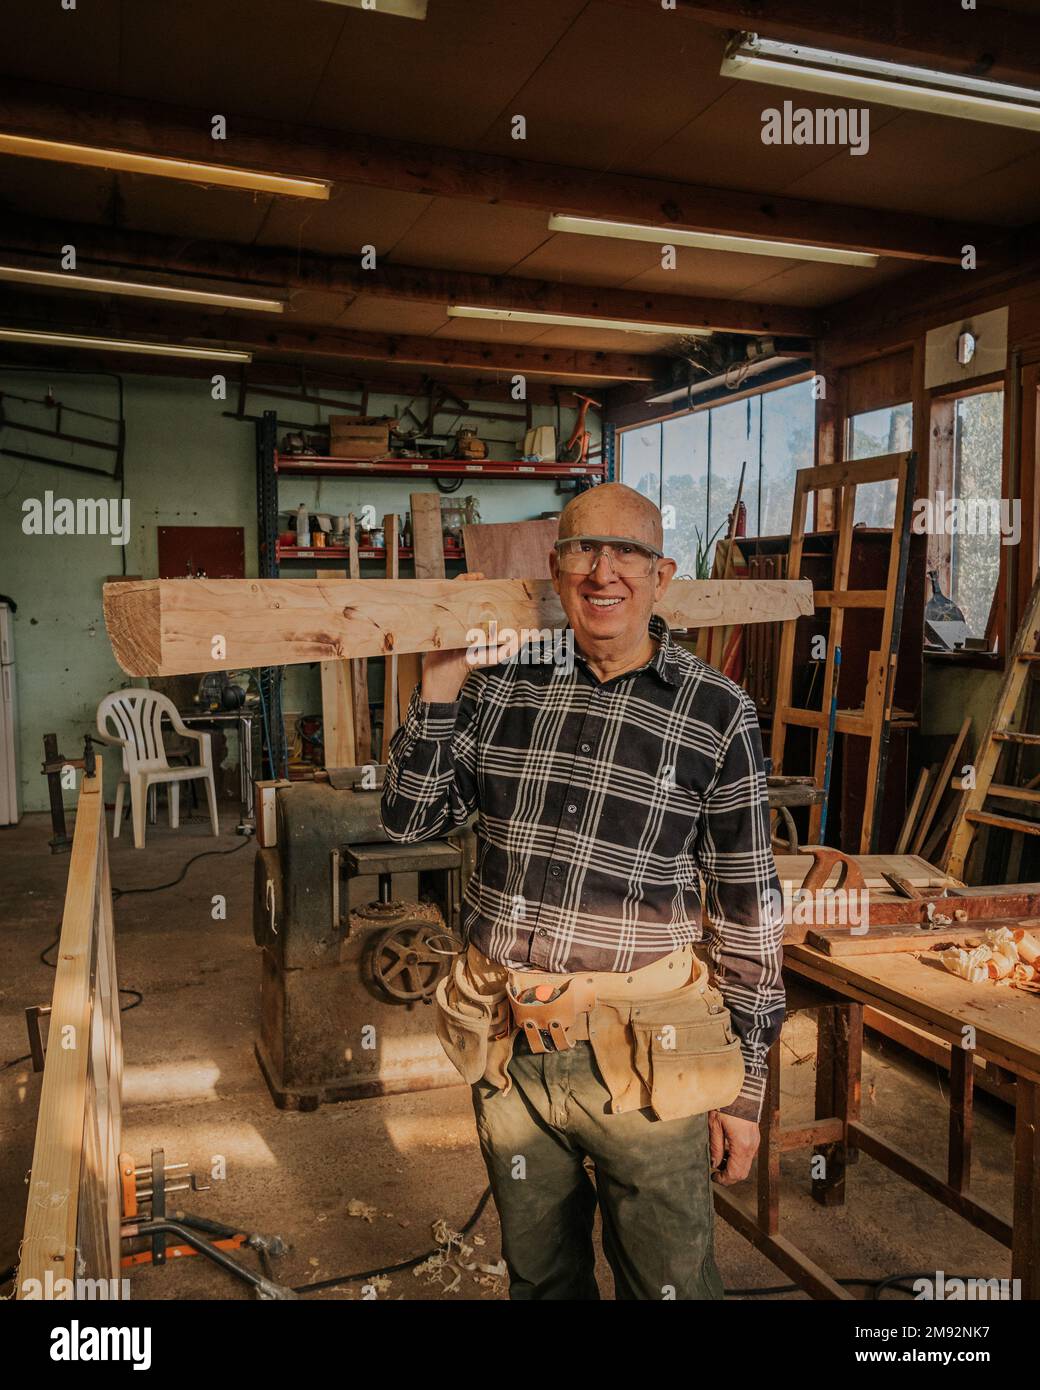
x: 33, y: 1014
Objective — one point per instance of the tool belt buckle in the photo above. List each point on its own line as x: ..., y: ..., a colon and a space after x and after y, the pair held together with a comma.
x: 545, y: 1023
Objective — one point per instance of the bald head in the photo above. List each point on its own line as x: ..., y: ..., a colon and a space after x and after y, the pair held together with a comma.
x: 613, y: 509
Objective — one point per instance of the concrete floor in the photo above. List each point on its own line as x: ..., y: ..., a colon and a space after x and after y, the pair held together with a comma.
x: 192, y: 1087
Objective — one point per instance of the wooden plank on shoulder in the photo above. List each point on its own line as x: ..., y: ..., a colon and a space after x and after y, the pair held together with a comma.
x: 164, y: 627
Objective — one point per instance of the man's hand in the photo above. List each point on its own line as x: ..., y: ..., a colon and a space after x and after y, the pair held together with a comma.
x: 732, y: 1143
x: 444, y: 672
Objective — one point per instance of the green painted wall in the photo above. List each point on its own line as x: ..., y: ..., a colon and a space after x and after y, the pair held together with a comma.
x: 186, y: 464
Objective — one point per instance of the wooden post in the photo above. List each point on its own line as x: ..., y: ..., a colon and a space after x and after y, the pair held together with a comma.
x: 74, y: 1204
x: 428, y: 552
x: 337, y: 708
x: 359, y: 672
x: 390, y: 713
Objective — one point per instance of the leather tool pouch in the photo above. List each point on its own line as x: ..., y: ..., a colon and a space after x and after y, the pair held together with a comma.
x: 686, y: 1053
x: 465, y: 1021
x: 546, y: 1025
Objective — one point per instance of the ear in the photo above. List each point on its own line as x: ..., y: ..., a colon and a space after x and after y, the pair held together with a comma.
x: 665, y: 574
x: 554, y: 569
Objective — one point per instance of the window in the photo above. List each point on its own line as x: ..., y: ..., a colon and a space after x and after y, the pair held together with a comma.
x: 980, y: 514
x: 692, y: 463
x: 870, y: 435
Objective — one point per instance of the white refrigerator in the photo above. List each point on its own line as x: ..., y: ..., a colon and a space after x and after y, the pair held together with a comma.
x: 10, y: 808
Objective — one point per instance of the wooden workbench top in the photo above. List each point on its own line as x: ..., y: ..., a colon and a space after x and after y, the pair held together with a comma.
x: 793, y: 868
x: 923, y: 993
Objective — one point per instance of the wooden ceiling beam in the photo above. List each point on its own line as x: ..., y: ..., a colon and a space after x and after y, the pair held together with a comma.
x: 150, y: 128
x: 321, y: 382
x: 284, y: 268
x: 992, y: 42
x: 287, y: 341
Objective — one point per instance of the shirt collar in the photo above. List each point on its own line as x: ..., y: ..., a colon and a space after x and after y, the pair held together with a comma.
x: 665, y: 661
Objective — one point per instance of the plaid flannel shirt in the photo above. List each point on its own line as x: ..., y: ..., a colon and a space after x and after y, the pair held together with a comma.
x: 603, y: 809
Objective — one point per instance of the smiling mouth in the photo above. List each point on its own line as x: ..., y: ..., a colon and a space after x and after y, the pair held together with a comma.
x: 602, y: 605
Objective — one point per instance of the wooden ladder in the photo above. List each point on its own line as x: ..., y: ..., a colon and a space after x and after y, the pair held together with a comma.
x: 874, y: 720
x: 1000, y: 733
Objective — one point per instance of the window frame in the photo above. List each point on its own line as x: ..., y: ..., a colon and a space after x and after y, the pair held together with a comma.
x: 715, y: 401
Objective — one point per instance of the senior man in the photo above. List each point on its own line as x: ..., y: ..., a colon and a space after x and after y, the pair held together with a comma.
x: 610, y: 1063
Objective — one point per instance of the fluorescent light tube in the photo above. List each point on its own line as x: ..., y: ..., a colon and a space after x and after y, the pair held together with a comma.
x: 463, y: 311
x: 405, y: 9
x: 22, y: 335
x: 186, y: 169
x: 709, y: 241
x: 876, y: 79
x: 68, y: 280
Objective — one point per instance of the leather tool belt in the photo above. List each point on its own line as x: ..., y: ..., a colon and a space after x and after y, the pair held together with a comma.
x: 548, y: 1015
x: 661, y: 1035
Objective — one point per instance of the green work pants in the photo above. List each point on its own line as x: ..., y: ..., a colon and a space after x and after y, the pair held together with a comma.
x: 652, y: 1185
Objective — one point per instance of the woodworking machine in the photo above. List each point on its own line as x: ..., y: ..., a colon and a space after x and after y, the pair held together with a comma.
x: 356, y: 932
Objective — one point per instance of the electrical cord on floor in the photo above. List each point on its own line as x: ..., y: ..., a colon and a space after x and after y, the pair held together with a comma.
x: 402, y: 1265
x: 877, y: 1286
x: 138, y: 997
x: 159, y: 887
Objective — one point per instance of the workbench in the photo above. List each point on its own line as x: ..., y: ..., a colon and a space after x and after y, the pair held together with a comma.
x: 998, y: 1026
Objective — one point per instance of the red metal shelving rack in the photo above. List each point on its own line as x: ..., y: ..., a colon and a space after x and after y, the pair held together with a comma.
x: 307, y: 465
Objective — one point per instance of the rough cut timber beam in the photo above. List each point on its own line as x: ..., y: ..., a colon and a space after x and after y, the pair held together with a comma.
x: 162, y: 627
x: 278, y: 268
x: 50, y: 113
x: 986, y: 41
x: 218, y: 330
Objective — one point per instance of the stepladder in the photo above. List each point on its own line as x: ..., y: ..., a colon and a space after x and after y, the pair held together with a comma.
x: 873, y: 720
x: 1005, y: 735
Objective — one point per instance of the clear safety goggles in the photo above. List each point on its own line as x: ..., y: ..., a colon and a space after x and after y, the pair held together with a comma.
x: 580, y: 555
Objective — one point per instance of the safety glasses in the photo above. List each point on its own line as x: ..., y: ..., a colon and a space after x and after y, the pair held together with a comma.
x: 580, y: 555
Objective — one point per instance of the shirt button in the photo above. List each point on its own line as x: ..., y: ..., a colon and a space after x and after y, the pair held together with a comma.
x: 571, y: 809
x: 555, y: 871
x: 541, y: 932
x: 585, y: 747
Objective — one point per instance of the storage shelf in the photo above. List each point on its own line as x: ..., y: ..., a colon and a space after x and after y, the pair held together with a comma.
x: 307, y: 465
x: 342, y: 553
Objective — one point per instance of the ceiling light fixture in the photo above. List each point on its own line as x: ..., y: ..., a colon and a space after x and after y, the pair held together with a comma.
x: 463, y: 311
x: 877, y: 79
x: 24, y: 335
x: 710, y: 241
x: 188, y: 170
x: 405, y: 9
x: 67, y: 280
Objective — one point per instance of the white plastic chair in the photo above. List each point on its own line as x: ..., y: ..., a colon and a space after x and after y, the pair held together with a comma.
x: 136, y: 718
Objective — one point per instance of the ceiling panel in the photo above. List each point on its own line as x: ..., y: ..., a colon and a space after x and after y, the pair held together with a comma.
x: 185, y: 209
x: 442, y: 80
x: 39, y: 188
x: 723, y: 147
x: 71, y: 48
x: 813, y: 285
x: 716, y: 273
x: 924, y: 164
x: 1010, y: 194
x: 471, y: 236
x: 352, y: 218
x: 587, y: 260
x: 373, y: 314
x: 238, y: 57
x: 490, y: 331
x: 604, y: 340
x: 617, y: 84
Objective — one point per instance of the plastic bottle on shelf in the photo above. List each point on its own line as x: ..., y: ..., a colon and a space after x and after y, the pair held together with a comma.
x: 303, y: 527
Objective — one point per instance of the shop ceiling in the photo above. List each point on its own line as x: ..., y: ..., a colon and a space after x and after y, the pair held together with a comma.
x: 627, y: 118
